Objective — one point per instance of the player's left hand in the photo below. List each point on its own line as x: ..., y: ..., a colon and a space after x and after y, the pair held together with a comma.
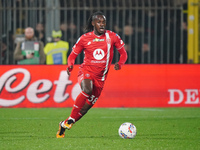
x: 117, y: 66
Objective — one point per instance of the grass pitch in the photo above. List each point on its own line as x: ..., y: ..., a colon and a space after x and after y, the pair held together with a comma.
x: 157, y: 128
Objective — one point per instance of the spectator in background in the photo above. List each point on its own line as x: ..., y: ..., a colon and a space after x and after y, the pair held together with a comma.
x: 56, y: 52
x: 146, y: 51
x: 3, y: 48
x: 19, y: 35
x: 72, y: 34
x: 29, y: 51
x: 39, y: 32
x: 117, y: 29
x: 6, y: 49
x: 63, y: 28
x: 129, y: 42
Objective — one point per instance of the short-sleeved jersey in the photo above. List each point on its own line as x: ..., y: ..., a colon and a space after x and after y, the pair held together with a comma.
x: 98, y: 51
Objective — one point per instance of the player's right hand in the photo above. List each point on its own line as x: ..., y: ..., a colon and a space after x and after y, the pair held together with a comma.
x: 69, y: 69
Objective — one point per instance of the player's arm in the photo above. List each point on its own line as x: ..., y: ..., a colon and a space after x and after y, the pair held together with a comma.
x: 76, y: 50
x: 122, y: 60
x: 70, y: 61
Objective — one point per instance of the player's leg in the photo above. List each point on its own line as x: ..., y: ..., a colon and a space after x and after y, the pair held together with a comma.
x: 91, y: 100
x: 79, y: 109
x: 83, y: 110
x: 87, y: 87
x: 94, y: 89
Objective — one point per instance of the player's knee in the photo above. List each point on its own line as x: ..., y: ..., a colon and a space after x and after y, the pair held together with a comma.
x: 87, y: 91
x: 87, y: 86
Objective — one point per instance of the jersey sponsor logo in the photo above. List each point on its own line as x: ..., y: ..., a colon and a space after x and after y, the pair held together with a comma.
x: 98, y: 62
x: 98, y: 54
x: 98, y: 40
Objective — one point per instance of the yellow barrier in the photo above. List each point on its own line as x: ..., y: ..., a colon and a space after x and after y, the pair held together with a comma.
x: 193, y: 31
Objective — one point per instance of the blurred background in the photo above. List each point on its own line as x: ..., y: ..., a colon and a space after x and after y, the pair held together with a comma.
x: 154, y: 31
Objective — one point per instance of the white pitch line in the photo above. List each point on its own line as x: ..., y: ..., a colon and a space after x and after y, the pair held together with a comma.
x: 25, y: 118
x: 142, y: 109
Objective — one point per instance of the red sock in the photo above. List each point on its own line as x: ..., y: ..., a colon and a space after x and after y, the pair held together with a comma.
x: 79, y: 103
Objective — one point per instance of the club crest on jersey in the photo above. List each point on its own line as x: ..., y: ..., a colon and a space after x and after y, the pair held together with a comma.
x: 98, y: 54
x: 98, y: 40
x: 87, y: 75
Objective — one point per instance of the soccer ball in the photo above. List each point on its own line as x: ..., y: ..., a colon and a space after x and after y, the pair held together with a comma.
x: 127, y: 130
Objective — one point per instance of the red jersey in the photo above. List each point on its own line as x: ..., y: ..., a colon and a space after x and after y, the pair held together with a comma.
x: 98, y: 51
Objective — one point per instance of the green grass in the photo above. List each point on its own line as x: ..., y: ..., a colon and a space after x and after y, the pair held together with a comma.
x: 157, y: 128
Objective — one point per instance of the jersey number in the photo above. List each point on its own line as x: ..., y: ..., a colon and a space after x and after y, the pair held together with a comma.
x: 92, y: 99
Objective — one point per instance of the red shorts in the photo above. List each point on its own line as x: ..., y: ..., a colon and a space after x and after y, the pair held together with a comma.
x: 97, y: 86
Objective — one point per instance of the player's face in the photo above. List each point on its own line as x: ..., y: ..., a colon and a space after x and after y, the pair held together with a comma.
x: 99, y: 24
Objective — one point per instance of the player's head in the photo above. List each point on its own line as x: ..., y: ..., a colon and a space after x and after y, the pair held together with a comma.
x: 96, y: 22
x: 29, y: 33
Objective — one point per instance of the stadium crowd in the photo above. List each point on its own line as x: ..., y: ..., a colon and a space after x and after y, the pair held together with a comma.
x: 156, y: 35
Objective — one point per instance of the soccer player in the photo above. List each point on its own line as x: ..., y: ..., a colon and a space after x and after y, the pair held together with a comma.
x: 97, y: 44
